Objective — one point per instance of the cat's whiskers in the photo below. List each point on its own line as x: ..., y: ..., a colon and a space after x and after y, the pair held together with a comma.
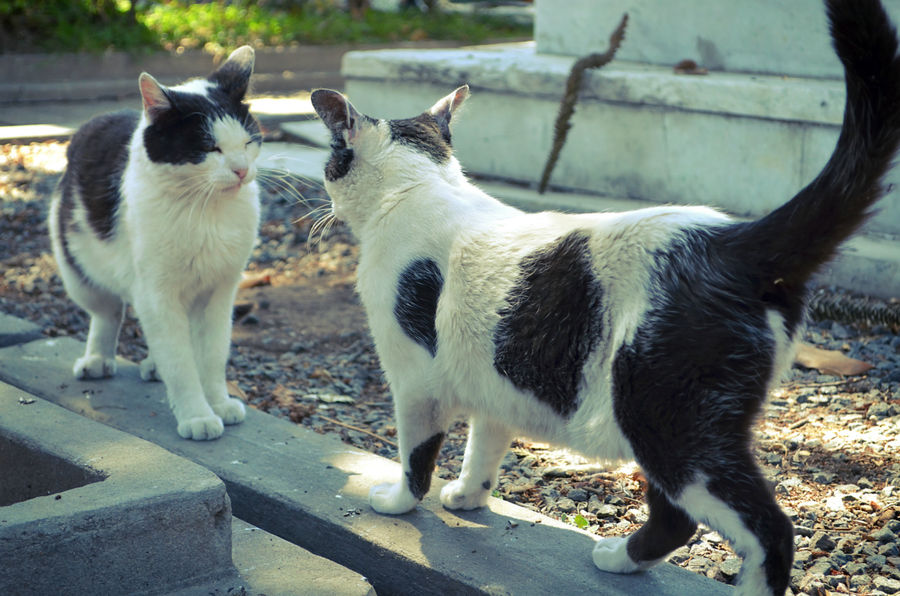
x: 321, y: 227
x: 281, y: 180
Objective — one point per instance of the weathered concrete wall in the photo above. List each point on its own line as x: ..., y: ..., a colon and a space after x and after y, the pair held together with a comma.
x: 786, y: 37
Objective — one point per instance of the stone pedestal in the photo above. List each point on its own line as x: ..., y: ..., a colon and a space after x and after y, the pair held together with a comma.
x: 744, y: 138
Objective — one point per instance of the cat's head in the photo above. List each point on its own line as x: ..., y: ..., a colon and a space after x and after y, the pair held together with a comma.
x: 371, y: 158
x: 202, y: 130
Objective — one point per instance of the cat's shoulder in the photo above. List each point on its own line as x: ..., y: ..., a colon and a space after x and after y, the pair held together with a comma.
x: 105, y: 131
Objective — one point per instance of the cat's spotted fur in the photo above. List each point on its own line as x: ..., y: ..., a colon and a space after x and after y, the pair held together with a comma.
x: 651, y: 335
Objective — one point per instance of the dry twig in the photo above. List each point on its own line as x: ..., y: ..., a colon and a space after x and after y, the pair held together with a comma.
x: 573, y: 84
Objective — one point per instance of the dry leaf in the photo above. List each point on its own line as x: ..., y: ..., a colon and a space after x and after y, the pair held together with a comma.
x: 235, y: 390
x: 689, y: 67
x: 829, y: 362
x: 254, y: 280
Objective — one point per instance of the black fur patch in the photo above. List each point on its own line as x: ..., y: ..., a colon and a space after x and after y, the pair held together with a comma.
x: 668, y: 528
x: 66, y: 226
x: 552, y: 320
x: 341, y: 158
x: 182, y: 134
x: 424, y: 134
x: 418, y: 291
x: 486, y: 485
x: 687, y: 389
x: 421, y: 465
x: 97, y: 157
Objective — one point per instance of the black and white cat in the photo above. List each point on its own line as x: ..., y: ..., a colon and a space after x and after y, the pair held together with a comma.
x: 651, y: 335
x: 160, y: 209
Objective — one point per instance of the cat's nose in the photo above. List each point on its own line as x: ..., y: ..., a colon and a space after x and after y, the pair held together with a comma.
x: 240, y: 172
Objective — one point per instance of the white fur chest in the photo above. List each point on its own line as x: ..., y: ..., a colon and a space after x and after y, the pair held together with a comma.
x: 190, y: 242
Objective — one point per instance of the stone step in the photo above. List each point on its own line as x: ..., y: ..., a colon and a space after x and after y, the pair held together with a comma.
x: 739, y: 142
x: 311, y: 490
x: 96, y: 510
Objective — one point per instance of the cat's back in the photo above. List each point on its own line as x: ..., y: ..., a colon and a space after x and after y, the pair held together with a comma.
x: 101, y: 143
x: 97, y: 156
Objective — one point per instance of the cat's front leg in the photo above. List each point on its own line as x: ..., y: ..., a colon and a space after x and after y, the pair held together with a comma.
x: 166, y: 328
x: 421, y: 431
x: 211, y: 336
x: 488, y: 443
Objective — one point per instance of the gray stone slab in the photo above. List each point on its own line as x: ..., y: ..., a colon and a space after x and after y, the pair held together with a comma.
x: 311, y: 489
x: 98, y: 511
x: 266, y: 564
x: 14, y: 330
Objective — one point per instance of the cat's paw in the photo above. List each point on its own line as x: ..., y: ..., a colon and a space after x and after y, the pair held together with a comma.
x: 94, y: 366
x: 455, y: 496
x: 231, y: 411
x: 611, y: 554
x: 201, y: 428
x: 148, y: 370
x: 392, y: 499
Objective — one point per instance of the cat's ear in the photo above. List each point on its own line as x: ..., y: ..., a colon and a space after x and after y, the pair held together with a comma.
x: 233, y: 76
x: 443, y: 110
x: 336, y: 112
x: 154, y: 96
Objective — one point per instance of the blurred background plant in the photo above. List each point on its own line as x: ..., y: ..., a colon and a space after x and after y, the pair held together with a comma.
x: 217, y: 25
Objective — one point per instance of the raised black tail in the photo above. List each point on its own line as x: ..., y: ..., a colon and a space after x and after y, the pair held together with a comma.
x: 793, y: 241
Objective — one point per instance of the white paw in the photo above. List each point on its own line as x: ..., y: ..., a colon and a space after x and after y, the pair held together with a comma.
x: 455, y: 496
x: 392, y: 499
x: 148, y: 370
x: 231, y: 411
x: 203, y: 428
x: 611, y: 554
x: 94, y: 367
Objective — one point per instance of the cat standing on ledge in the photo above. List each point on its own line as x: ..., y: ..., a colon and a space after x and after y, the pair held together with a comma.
x: 651, y: 335
x: 160, y: 209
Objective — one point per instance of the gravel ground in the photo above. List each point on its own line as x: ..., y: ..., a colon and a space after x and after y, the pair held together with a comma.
x: 829, y: 444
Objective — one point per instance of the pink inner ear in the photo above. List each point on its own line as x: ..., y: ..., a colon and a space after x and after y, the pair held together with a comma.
x: 154, y: 98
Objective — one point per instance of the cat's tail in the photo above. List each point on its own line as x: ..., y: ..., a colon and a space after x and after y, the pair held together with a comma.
x: 793, y: 241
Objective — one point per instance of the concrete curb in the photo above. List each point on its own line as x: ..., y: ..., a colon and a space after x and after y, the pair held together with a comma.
x: 311, y: 489
x: 99, y: 511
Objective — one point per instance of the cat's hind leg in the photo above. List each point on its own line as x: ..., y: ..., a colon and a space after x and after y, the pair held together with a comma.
x: 148, y: 370
x: 667, y: 528
x: 107, y: 311
x: 488, y: 443
x: 738, y: 503
x: 421, y: 429
x: 211, y: 337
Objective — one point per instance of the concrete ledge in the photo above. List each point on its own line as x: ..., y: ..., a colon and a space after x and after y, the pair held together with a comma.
x: 138, y: 520
x: 742, y: 143
x: 311, y: 489
x: 517, y: 68
x: 266, y: 564
x: 14, y: 330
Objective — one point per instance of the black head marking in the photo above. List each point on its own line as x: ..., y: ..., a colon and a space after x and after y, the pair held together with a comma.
x: 233, y: 76
x: 552, y: 320
x: 418, y: 291
x: 180, y: 122
x: 424, y: 134
x: 343, y: 121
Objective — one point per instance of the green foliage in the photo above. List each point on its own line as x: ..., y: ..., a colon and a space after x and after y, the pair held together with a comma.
x: 219, y: 25
x: 580, y: 521
x: 90, y: 25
